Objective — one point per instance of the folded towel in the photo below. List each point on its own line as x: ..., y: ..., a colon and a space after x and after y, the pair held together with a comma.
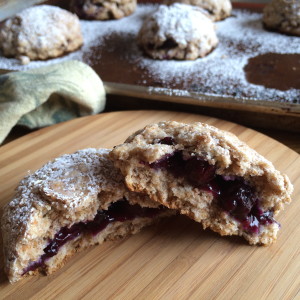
x: 49, y: 95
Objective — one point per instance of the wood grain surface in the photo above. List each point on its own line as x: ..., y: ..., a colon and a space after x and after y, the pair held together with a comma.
x: 175, y: 259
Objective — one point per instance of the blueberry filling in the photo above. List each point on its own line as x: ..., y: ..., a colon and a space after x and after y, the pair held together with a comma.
x: 196, y: 170
x: 119, y: 211
x: 168, y: 44
x: 167, y: 141
x: 234, y: 195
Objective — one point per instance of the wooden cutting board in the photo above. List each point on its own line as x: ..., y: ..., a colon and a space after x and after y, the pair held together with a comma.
x: 175, y: 259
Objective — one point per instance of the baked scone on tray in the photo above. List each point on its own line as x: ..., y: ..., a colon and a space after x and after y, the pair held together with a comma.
x: 103, y: 9
x: 71, y: 203
x: 178, y: 31
x: 283, y: 16
x: 217, y: 9
x: 207, y: 174
x: 39, y: 33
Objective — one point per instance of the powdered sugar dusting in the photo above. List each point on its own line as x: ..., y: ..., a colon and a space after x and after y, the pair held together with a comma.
x: 220, y: 73
x: 40, y: 32
x: 44, y: 27
x: 184, y: 23
x: 71, y: 181
x: 169, y: 92
x: 62, y: 192
x: 93, y: 33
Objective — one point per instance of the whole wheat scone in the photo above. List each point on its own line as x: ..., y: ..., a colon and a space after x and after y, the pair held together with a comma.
x: 103, y: 9
x: 217, y: 9
x: 40, y: 32
x: 71, y: 203
x: 283, y: 16
x: 177, y: 31
x: 207, y: 174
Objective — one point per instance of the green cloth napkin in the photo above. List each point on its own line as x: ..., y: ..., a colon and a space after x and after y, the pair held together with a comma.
x: 49, y: 95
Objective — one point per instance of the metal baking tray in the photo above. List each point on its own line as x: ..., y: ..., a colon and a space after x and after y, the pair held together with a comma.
x: 126, y: 78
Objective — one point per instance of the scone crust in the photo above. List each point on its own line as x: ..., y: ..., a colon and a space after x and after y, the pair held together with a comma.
x: 67, y: 190
x: 179, y: 32
x: 217, y: 9
x: 283, y: 16
x: 40, y: 32
x: 103, y: 9
x: 231, y: 157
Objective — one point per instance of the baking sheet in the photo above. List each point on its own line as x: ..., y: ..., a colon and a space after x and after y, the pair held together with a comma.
x: 126, y: 71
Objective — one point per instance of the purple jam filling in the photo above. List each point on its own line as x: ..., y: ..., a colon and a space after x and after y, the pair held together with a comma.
x: 120, y: 211
x: 196, y: 170
x: 167, y: 141
x: 168, y: 44
x: 234, y: 194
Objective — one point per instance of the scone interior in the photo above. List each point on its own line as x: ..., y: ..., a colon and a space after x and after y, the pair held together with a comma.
x: 71, y: 203
x: 207, y: 174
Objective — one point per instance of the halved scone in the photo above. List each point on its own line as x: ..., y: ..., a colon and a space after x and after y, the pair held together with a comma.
x: 72, y: 202
x: 207, y: 174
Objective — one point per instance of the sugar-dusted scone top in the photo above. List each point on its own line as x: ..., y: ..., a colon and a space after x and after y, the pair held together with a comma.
x: 65, y: 191
x: 178, y: 31
x: 40, y: 32
x: 217, y: 9
x: 144, y: 156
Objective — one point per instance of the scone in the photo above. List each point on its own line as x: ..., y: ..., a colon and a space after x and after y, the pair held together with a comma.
x: 283, y: 16
x: 217, y: 9
x: 177, y: 31
x: 207, y: 174
x: 103, y: 9
x: 40, y: 32
x: 71, y: 203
